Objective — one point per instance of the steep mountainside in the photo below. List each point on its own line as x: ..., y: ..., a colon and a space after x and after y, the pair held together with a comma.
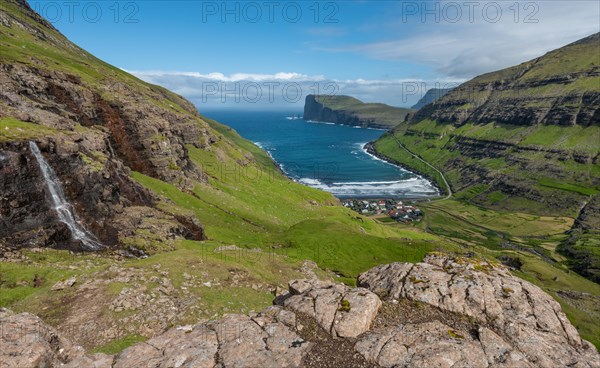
x: 430, y: 96
x: 520, y: 139
x: 351, y: 111
x: 559, y: 88
x: 94, y: 123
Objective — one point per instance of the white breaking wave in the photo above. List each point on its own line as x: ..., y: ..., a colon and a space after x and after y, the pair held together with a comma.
x: 320, y: 122
x: 363, y: 148
x: 267, y: 150
x: 412, y: 187
x: 415, y: 186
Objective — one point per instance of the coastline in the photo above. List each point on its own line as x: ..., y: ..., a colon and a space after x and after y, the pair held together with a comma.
x: 370, y: 149
x: 366, y: 148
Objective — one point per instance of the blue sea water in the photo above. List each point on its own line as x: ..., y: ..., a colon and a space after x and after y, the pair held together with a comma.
x: 325, y: 155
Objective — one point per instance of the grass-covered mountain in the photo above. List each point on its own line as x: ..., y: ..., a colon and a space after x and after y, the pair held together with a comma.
x: 351, y: 111
x: 430, y: 96
x: 523, y: 139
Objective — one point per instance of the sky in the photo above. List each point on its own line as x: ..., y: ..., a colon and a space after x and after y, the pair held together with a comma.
x: 271, y: 54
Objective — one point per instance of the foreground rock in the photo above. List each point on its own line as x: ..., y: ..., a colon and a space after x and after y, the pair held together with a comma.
x: 515, y: 322
x: 338, y: 309
x: 444, y: 312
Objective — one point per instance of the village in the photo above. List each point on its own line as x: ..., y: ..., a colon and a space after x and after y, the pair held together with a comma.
x: 395, y: 209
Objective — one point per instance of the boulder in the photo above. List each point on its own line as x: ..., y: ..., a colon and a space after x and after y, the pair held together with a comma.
x: 64, y: 284
x: 27, y: 342
x: 339, y: 310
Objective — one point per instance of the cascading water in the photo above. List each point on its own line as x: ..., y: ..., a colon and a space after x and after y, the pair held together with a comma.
x: 64, y: 209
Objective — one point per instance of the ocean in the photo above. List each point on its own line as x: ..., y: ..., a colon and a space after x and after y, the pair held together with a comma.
x: 327, y: 156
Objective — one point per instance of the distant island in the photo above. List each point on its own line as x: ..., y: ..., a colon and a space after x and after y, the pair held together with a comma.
x: 351, y: 111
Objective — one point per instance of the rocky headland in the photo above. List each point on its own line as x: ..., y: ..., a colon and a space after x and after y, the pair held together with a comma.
x: 347, y: 110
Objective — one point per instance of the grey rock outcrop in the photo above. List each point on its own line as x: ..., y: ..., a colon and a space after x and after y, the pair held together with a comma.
x: 516, y: 321
x: 27, y: 342
x: 444, y: 312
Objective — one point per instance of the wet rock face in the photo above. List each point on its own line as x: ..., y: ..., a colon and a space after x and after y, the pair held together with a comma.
x: 444, y: 312
x: 23, y: 206
x: 102, y: 195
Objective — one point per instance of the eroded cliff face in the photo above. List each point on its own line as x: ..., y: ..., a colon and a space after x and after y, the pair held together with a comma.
x: 444, y: 312
x: 145, y: 129
x: 354, y: 112
x: 94, y: 124
x: 559, y: 88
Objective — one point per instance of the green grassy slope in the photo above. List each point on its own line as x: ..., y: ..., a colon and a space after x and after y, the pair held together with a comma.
x: 244, y: 201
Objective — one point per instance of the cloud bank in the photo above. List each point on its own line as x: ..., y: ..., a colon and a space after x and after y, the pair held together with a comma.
x: 284, y: 90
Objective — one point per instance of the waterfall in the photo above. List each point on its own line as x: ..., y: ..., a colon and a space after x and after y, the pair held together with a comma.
x: 65, y: 211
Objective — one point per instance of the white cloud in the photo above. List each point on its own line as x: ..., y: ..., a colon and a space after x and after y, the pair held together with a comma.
x: 285, y: 89
x: 235, y: 77
x: 465, y: 49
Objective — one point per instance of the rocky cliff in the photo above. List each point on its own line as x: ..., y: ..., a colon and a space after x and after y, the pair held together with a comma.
x: 430, y: 96
x: 444, y: 312
x: 95, y: 124
x: 351, y: 111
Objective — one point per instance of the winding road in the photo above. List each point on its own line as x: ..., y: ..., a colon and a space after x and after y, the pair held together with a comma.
x: 448, y: 189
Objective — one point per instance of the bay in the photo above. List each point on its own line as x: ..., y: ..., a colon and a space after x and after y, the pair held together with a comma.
x: 327, y: 156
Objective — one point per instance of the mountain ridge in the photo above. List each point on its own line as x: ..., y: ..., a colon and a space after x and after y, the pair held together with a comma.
x: 513, y: 95
x: 523, y: 139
